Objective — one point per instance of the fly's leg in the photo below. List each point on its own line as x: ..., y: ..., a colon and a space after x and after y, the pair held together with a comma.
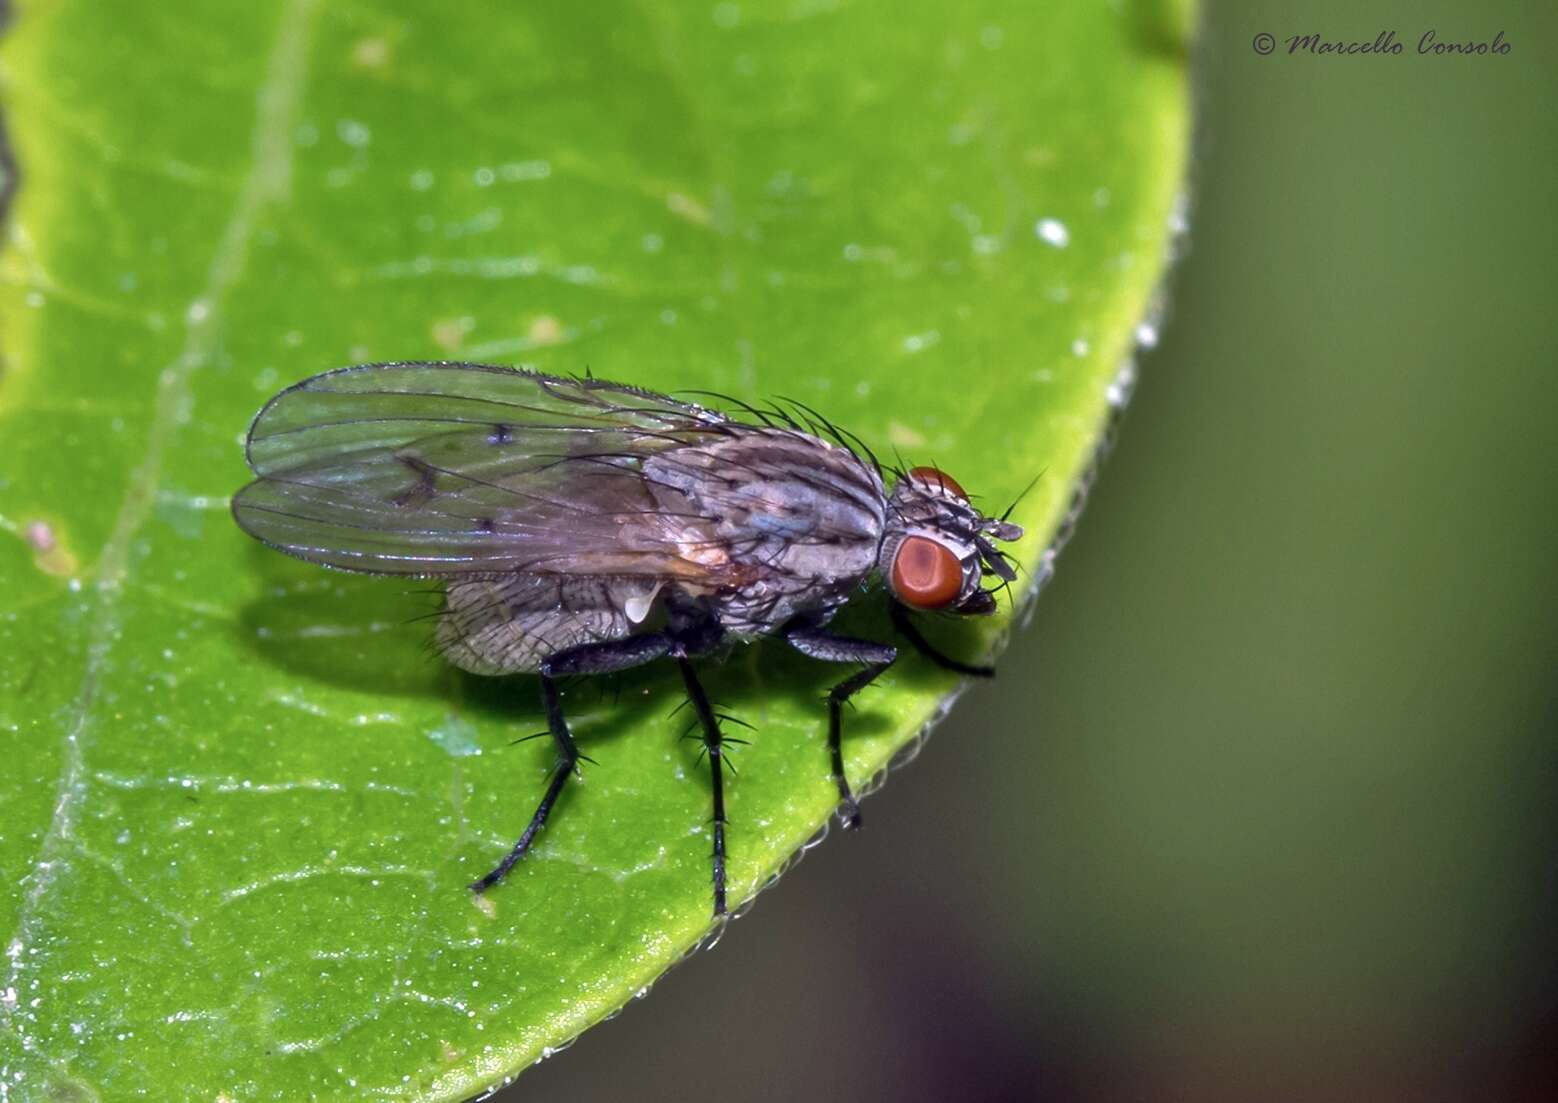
x: 876, y: 657
x: 567, y: 759
x: 911, y: 632
x: 590, y: 658
x: 712, y: 742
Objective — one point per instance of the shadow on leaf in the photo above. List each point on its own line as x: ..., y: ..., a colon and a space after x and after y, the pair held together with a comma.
x: 353, y: 631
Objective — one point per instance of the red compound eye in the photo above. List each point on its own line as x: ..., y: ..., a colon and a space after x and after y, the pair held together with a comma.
x: 934, y: 476
x: 926, y: 574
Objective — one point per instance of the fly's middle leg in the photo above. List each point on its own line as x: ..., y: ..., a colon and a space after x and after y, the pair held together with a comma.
x: 875, y: 657
x: 590, y: 658
x: 713, y: 742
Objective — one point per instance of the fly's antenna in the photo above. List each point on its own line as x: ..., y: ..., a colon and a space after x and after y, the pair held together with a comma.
x: 1024, y: 494
x: 996, y: 559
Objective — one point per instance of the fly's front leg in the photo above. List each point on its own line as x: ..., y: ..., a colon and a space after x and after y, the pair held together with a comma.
x: 876, y: 658
x: 589, y: 658
x: 712, y: 742
x: 911, y: 632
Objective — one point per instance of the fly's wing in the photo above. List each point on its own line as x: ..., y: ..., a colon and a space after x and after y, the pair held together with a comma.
x: 443, y: 469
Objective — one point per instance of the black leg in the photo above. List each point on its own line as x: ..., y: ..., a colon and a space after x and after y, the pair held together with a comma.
x: 711, y: 741
x: 590, y: 658
x: 567, y: 759
x: 877, y: 657
x: 911, y: 633
x: 609, y: 656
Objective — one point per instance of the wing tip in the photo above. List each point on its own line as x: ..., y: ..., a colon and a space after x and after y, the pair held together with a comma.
x: 318, y: 383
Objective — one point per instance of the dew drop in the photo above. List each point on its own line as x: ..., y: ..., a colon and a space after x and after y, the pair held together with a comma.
x: 353, y: 133
x: 1052, y: 231
x: 1124, y: 382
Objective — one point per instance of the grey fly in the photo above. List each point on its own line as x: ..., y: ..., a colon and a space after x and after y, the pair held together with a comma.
x: 562, y: 513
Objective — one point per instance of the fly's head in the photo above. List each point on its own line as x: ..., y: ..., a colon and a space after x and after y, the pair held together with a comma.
x: 937, y: 546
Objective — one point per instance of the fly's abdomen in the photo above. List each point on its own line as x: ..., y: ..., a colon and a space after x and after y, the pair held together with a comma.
x: 510, y: 625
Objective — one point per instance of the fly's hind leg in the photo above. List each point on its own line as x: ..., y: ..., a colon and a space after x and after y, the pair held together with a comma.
x: 567, y: 759
x: 590, y: 658
x: 876, y: 657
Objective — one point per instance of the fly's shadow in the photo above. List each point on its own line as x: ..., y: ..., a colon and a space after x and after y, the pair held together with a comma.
x: 600, y: 709
x: 353, y: 632
x: 341, y: 629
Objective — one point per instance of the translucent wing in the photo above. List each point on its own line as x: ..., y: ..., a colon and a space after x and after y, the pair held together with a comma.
x: 467, y: 470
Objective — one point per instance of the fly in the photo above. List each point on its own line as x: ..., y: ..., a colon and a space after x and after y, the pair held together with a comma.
x: 562, y: 512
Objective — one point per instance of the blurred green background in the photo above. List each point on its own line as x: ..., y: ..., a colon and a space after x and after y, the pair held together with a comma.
x: 1262, y: 804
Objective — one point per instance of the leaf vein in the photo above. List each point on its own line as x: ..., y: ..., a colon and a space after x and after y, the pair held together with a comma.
x: 267, y: 180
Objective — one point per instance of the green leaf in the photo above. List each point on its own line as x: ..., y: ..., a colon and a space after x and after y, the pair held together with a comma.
x: 242, y: 800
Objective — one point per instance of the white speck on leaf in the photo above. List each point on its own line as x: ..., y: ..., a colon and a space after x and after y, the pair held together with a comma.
x: 1052, y: 231
x: 353, y: 133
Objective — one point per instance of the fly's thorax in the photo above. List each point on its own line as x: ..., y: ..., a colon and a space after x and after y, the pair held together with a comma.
x: 778, y: 498
x: 762, y: 608
x: 793, y: 522
x: 936, y: 546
